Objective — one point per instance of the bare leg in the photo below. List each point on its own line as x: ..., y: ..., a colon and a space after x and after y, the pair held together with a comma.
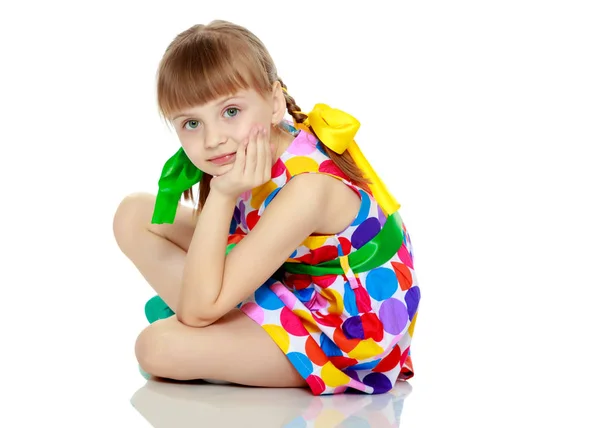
x: 233, y: 349
x: 157, y: 250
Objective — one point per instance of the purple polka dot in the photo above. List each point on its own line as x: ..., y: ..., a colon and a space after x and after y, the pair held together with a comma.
x: 236, y: 214
x: 352, y: 373
x: 379, y: 382
x: 353, y: 328
x: 381, y: 216
x: 412, y: 298
x: 382, y: 283
x: 393, y: 316
x: 243, y: 215
x: 365, y: 232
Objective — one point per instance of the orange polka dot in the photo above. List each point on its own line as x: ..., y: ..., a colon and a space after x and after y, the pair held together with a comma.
x: 342, y: 342
x: 314, y: 352
x: 403, y: 274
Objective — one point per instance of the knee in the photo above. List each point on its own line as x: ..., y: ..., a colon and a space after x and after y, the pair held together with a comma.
x: 152, y: 351
x: 132, y: 214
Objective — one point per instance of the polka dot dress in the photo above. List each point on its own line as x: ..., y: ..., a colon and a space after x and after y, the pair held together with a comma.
x: 343, y: 332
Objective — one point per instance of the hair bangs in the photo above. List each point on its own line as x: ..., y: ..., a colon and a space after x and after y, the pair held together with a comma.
x: 204, y: 67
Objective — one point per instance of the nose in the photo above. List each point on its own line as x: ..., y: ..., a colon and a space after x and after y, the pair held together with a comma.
x: 213, y: 136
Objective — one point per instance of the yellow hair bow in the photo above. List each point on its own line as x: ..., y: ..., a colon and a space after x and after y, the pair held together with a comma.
x: 336, y: 129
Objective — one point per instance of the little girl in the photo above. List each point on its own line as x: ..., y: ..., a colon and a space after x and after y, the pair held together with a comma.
x: 294, y: 269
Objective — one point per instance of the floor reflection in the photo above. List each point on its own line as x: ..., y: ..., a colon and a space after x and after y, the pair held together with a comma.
x: 200, y: 404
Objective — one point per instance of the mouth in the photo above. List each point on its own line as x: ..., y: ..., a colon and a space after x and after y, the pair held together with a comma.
x: 223, y: 159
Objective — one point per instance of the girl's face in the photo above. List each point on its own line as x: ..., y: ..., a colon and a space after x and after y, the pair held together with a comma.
x: 211, y: 133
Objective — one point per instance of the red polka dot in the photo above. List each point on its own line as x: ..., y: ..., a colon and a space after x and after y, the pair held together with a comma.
x: 329, y: 167
x: 330, y: 320
x: 363, y: 300
x: 252, y: 219
x: 292, y: 323
x: 321, y: 254
x: 343, y: 362
x: 278, y: 168
x: 314, y: 352
x: 342, y: 342
x: 298, y: 281
x: 346, y: 245
x: 324, y: 281
x: 372, y: 327
x: 404, y: 358
x: 403, y: 274
x: 317, y: 386
x: 389, y: 362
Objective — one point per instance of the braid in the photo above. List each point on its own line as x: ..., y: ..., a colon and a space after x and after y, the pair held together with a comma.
x: 344, y: 161
x: 292, y: 108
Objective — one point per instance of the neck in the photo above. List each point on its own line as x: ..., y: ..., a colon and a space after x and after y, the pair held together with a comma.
x: 282, y: 140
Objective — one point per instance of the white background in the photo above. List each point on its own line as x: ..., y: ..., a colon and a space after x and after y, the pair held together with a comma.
x: 481, y: 117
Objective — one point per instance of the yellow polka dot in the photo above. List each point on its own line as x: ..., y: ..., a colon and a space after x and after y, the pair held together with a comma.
x: 366, y: 349
x: 299, y: 164
x: 329, y: 418
x: 411, y: 328
x: 307, y: 321
x: 332, y: 376
x: 279, y: 335
x: 335, y: 300
x: 260, y: 193
x: 313, y: 242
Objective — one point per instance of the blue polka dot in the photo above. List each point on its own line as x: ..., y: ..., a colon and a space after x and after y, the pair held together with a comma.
x: 329, y: 348
x: 266, y: 299
x: 232, y: 226
x: 301, y: 363
x: 365, y: 366
x: 350, y: 300
x: 305, y: 294
x: 321, y: 149
x: 293, y: 254
x: 365, y: 208
x: 381, y: 283
x: 354, y: 422
x: 298, y: 422
x: 271, y: 196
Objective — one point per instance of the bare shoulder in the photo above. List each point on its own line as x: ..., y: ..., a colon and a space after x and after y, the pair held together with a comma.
x: 335, y: 203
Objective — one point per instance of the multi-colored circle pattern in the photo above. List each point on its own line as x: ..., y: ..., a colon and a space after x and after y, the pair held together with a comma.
x: 342, y: 333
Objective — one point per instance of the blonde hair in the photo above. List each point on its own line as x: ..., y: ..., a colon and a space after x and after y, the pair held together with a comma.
x: 206, y: 62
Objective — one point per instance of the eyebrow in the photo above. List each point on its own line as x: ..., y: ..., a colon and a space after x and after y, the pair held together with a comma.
x: 190, y: 114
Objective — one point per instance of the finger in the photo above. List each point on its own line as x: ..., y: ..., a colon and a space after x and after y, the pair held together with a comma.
x: 240, y: 159
x: 251, y: 153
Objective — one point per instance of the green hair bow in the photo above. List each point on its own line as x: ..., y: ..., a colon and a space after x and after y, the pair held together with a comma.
x: 178, y: 175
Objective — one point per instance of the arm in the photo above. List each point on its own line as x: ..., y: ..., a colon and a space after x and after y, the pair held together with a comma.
x: 214, y: 284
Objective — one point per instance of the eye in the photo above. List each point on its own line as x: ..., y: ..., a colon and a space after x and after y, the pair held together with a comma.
x: 232, y: 111
x: 192, y: 122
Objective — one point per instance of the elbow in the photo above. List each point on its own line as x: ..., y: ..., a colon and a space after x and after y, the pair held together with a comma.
x: 192, y: 321
x: 191, y: 318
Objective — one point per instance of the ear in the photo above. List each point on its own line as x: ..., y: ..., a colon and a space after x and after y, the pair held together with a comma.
x: 279, y: 104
